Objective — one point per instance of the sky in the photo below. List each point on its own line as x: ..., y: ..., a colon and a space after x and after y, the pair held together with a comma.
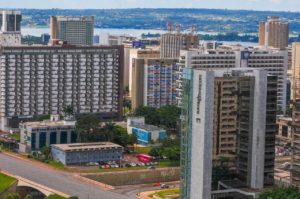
x: 276, y: 5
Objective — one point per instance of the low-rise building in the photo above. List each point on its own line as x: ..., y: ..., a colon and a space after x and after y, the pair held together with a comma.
x: 83, y: 153
x: 284, y: 133
x: 145, y: 134
x: 36, y: 135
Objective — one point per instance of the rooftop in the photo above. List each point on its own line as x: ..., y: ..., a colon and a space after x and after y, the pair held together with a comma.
x: 146, y: 127
x: 86, y: 146
x: 48, y: 123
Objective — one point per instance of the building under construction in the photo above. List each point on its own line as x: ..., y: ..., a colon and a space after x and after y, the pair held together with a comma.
x: 173, y: 41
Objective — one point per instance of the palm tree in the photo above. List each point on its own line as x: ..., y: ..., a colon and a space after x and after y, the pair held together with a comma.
x: 109, y: 129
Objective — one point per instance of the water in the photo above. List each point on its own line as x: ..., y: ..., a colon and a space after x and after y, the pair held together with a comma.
x: 113, y: 31
x: 131, y: 32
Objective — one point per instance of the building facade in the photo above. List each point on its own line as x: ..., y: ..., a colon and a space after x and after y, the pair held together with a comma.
x: 73, y: 30
x: 83, y: 153
x: 145, y: 134
x: 272, y: 60
x: 295, y: 171
x: 274, y: 33
x: 43, y: 80
x: 284, y: 133
x: 10, y: 24
x: 251, y: 97
x: 36, y: 135
x: 172, y: 42
x: 154, y: 82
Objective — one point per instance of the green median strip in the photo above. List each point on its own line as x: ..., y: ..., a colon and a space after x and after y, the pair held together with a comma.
x: 6, y: 182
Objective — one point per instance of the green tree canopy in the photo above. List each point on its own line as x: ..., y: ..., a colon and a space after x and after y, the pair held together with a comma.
x: 280, y: 193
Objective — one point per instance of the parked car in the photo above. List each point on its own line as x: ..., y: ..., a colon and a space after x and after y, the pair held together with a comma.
x: 164, y: 186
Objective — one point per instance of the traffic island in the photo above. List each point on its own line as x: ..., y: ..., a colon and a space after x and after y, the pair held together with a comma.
x: 8, y: 184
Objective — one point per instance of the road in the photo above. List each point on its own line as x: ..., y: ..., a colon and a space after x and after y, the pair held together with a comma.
x: 58, y: 180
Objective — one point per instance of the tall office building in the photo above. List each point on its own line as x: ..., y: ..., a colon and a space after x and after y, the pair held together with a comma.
x: 172, y: 42
x: 255, y: 126
x: 10, y: 23
x: 274, y: 33
x: 39, y: 80
x: 154, y: 82
x: 273, y: 60
x: 73, y: 30
x: 295, y: 171
x: 135, y: 53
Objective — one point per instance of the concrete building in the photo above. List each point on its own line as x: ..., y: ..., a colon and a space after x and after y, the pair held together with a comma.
x: 36, y: 135
x: 145, y: 134
x: 39, y: 80
x: 10, y: 24
x: 295, y: 171
x: 274, y: 33
x: 273, y: 60
x: 172, y: 42
x: 136, y: 73
x: 255, y: 126
x: 154, y: 82
x: 73, y: 30
x: 225, y: 118
x: 45, y: 38
x: 284, y: 133
x: 83, y: 153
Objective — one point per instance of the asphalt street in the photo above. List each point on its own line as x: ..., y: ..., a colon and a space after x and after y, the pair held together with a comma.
x: 58, y: 180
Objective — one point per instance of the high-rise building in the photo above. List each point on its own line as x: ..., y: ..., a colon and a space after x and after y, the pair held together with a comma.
x: 172, y: 42
x: 274, y: 33
x: 39, y: 80
x: 295, y: 171
x: 145, y: 54
x: 10, y: 24
x: 154, y: 82
x: 73, y: 30
x: 273, y: 60
x: 255, y: 117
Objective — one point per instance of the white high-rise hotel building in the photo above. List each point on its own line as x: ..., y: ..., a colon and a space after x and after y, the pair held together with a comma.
x: 275, y: 61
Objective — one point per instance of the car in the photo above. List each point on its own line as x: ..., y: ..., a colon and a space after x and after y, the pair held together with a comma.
x: 164, y: 186
x: 107, y: 166
x: 133, y: 164
x: 102, y: 167
x: 143, y: 164
x: 155, y: 163
x: 90, y: 164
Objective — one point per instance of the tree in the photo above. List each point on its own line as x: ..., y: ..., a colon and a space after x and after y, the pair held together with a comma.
x: 12, y: 196
x: 280, y: 193
x: 109, y: 129
x: 68, y: 110
x: 169, y: 115
x: 151, y: 114
x: 28, y: 197
x: 87, y: 128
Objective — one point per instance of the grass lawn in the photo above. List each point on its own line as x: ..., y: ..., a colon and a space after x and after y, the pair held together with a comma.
x: 55, y: 197
x: 6, y: 182
x: 15, y: 136
x: 169, y: 163
x: 143, y: 150
x: 169, y: 194
x: 57, y: 165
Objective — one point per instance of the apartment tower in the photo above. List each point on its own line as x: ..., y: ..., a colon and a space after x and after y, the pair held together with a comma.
x: 274, y: 33
x: 172, y: 42
x: 41, y: 80
x: 10, y: 24
x: 73, y: 30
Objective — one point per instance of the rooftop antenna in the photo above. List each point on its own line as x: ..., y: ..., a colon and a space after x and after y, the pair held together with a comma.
x: 170, y: 27
x: 178, y: 28
x: 193, y: 29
